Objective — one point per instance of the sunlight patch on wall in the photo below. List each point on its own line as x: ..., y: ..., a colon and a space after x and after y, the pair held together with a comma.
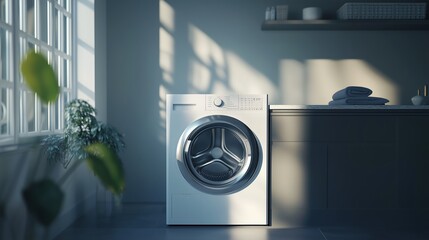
x: 314, y: 81
x: 323, y: 79
x: 207, y: 71
x: 166, y: 60
x: 206, y: 49
x: 162, y: 104
x: 85, y: 22
x: 359, y: 72
x: 166, y: 15
x: 292, y: 83
x: 200, y: 76
x: 221, y: 71
x: 245, y: 79
x: 85, y: 51
x: 166, y: 51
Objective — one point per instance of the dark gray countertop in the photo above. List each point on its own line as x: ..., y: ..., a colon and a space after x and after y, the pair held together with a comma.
x: 361, y: 107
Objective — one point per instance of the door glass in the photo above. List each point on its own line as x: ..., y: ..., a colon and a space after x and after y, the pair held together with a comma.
x: 216, y: 155
x: 219, y: 155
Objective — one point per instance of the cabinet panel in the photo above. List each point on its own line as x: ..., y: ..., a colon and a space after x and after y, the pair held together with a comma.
x: 362, y: 176
x: 299, y: 128
x: 413, y: 175
x: 413, y: 129
x: 334, y: 128
x: 298, y: 180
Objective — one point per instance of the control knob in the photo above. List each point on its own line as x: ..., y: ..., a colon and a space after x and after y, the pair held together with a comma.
x: 218, y: 102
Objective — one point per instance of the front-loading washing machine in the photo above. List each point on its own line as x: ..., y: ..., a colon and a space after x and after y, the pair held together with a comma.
x: 217, y: 159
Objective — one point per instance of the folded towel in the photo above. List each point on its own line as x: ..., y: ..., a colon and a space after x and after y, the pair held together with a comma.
x: 360, y: 101
x: 352, y: 91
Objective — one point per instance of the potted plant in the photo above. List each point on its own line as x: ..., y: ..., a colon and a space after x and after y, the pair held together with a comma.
x: 84, y: 140
x: 81, y: 129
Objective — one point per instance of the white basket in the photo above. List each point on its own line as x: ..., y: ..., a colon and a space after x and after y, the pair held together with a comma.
x: 382, y: 11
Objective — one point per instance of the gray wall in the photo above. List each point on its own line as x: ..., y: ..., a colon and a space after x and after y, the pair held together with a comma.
x: 100, y: 60
x: 197, y: 46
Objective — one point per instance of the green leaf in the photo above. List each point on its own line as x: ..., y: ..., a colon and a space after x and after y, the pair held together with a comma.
x: 107, y: 166
x: 40, y: 77
x: 44, y: 200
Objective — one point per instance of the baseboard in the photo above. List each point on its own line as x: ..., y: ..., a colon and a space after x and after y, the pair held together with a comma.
x: 350, y: 217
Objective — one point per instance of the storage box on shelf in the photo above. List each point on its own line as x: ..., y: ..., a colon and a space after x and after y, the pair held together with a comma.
x: 382, y: 11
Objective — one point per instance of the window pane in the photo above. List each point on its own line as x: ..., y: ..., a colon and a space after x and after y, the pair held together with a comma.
x: 4, y: 54
x: 28, y: 23
x: 66, y: 34
x: 30, y: 46
x: 43, y: 20
x: 67, y: 4
x: 5, y: 10
x: 30, y: 111
x: 5, y: 112
x: 57, y: 68
x: 46, y: 53
x: 44, y: 117
x: 57, y: 114
x: 56, y: 29
x: 27, y: 112
x: 64, y: 73
x: 64, y: 3
x: 65, y: 101
x: 24, y: 48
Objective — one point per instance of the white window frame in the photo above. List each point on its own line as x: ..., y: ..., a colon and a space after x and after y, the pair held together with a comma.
x: 17, y: 115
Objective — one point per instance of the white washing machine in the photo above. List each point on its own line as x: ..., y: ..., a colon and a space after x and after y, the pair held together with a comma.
x: 217, y: 159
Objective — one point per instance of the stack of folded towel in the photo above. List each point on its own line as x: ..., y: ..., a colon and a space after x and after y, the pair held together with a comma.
x: 354, y: 95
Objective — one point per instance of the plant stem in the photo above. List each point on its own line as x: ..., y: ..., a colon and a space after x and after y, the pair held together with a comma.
x: 73, y: 167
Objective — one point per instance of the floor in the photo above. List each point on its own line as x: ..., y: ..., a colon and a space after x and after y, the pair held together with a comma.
x: 147, y: 221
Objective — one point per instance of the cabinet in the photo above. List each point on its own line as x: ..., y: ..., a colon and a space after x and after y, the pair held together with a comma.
x: 349, y: 166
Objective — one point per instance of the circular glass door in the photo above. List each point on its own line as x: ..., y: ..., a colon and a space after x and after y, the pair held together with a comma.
x: 218, y: 154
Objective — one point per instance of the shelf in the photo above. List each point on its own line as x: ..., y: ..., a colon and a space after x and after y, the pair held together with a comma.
x: 349, y: 25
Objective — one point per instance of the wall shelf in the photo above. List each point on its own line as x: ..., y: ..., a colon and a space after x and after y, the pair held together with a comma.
x: 348, y: 25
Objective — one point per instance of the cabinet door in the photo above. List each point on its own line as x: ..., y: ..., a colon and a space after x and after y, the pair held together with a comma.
x: 362, y: 176
x: 298, y: 181
x: 413, y: 158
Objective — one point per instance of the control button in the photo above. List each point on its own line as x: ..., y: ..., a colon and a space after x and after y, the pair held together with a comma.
x: 218, y: 102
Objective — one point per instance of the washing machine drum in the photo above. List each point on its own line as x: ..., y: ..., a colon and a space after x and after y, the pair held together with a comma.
x: 218, y: 155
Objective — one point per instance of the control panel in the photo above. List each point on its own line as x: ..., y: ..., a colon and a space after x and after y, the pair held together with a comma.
x: 235, y: 102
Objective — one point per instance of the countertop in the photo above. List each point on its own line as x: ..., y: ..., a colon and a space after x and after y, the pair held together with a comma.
x: 348, y: 107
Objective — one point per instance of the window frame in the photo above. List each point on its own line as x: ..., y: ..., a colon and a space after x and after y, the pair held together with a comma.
x: 57, y: 55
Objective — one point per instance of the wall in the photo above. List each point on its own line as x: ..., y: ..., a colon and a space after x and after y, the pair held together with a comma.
x: 100, y: 60
x: 159, y: 47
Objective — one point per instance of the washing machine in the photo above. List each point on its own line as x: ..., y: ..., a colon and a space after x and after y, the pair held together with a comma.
x: 217, y: 159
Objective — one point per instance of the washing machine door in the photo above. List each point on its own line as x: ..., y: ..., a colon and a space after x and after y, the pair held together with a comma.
x: 218, y: 155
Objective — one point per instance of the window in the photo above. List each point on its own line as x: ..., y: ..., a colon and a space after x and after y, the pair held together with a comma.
x: 44, y: 26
